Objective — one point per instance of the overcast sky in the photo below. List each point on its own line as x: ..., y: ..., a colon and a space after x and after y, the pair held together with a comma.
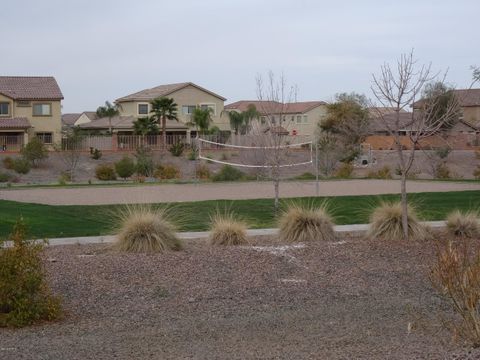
x: 104, y: 49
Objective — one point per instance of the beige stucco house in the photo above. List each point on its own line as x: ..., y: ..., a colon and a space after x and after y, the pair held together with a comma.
x: 298, y: 118
x: 75, y: 119
x: 30, y: 106
x: 186, y: 95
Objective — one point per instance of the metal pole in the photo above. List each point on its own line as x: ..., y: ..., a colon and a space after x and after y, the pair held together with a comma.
x: 317, y: 190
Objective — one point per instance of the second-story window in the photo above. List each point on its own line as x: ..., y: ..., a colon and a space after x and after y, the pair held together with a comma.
x: 42, y: 109
x: 4, y: 109
x: 209, y: 106
x: 142, y: 109
x: 188, y: 109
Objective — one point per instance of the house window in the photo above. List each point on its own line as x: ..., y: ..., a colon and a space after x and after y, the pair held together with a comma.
x: 208, y: 106
x: 142, y: 109
x: 45, y: 137
x: 305, y: 119
x: 42, y: 109
x: 299, y: 119
x: 188, y: 109
x: 4, y: 108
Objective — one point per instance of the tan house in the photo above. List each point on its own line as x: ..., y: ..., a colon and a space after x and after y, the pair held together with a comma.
x: 30, y: 106
x: 187, y: 96
x: 298, y: 118
x: 75, y: 119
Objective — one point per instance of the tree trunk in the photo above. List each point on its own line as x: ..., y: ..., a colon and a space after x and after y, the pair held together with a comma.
x: 164, y: 133
x: 276, y: 185
x: 404, y: 204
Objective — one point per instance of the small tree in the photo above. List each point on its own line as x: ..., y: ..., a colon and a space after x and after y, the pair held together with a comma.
x: 109, y: 111
x: 71, y: 151
x: 164, y: 109
x: 399, y: 87
x: 236, y: 120
x: 274, y: 100
x: 35, y: 151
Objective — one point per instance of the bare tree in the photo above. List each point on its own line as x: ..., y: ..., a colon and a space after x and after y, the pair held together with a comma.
x: 400, y: 87
x: 272, y: 128
x: 71, y: 151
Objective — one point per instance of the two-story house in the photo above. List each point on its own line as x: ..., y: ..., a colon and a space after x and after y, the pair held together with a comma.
x: 187, y: 96
x: 30, y: 106
x: 296, y: 118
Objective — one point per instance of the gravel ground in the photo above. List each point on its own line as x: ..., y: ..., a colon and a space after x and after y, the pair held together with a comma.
x: 346, y: 300
x: 211, y: 191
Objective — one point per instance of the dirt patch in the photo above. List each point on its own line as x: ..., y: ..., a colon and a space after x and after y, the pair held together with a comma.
x: 342, y: 300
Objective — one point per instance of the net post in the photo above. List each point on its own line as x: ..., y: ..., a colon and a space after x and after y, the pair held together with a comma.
x: 317, y: 185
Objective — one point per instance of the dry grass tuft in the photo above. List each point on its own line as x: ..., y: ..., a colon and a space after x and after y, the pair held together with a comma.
x: 306, y: 223
x: 455, y: 274
x: 463, y: 224
x: 386, y: 223
x: 146, y: 230
x: 226, y: 230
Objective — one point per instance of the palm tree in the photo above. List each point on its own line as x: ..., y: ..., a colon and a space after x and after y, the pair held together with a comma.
x: 164, y: 108
x: 248, y: 115
x: 201, y: 119
x: 108, y: 111
x: 236, y: 120
x: 145, y: 126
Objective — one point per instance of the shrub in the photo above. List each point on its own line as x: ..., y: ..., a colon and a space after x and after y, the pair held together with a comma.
x: 95, y: 154
x: 5, y: 177
x: 105, y: 172
x: 304, y: 223
x: 64, y: 178
x: 24, y: 295
x: 34, y: 151
x: 386, y: 223
x: 443, y: 152
x: 442, y: 171
x: 306, y: 176
x: 456, y: 276
x: 476, y: 173
x: 345, y: 171
x: 167, y: 171
x: 21, y: 166
x: 383, y: 173
x: 177, y: 149
x: 8, y: 163
x: 203, y: 172
x: 226, y: 230
x: 228, y: 173
x: 463, y: 224
x: 125, y: 167
x: 144, y: 161
x: 144, y: 229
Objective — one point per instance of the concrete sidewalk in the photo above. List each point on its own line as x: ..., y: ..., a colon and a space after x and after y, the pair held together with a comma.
x: 354, y: 230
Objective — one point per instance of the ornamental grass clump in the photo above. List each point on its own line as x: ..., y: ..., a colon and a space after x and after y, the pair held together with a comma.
x: 463, y: 224
x: 306, y: 223
x: 25, y: 297
x: 386, y: 223
x: 455, y: 274
x: 144, y: 229
x: 226, y: 230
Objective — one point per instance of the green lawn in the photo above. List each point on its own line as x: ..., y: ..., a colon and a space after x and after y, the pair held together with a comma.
x: 65, y: 221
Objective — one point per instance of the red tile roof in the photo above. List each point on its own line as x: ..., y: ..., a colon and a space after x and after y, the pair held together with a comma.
x: 14, y: 123
x: 70, y: 119
x: 30, y: 88
x: 162, y: 90
x: 275, y: 107
x: 468, y: 97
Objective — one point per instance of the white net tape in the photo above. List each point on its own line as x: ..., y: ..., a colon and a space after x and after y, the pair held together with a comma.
x: 256, y: 149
